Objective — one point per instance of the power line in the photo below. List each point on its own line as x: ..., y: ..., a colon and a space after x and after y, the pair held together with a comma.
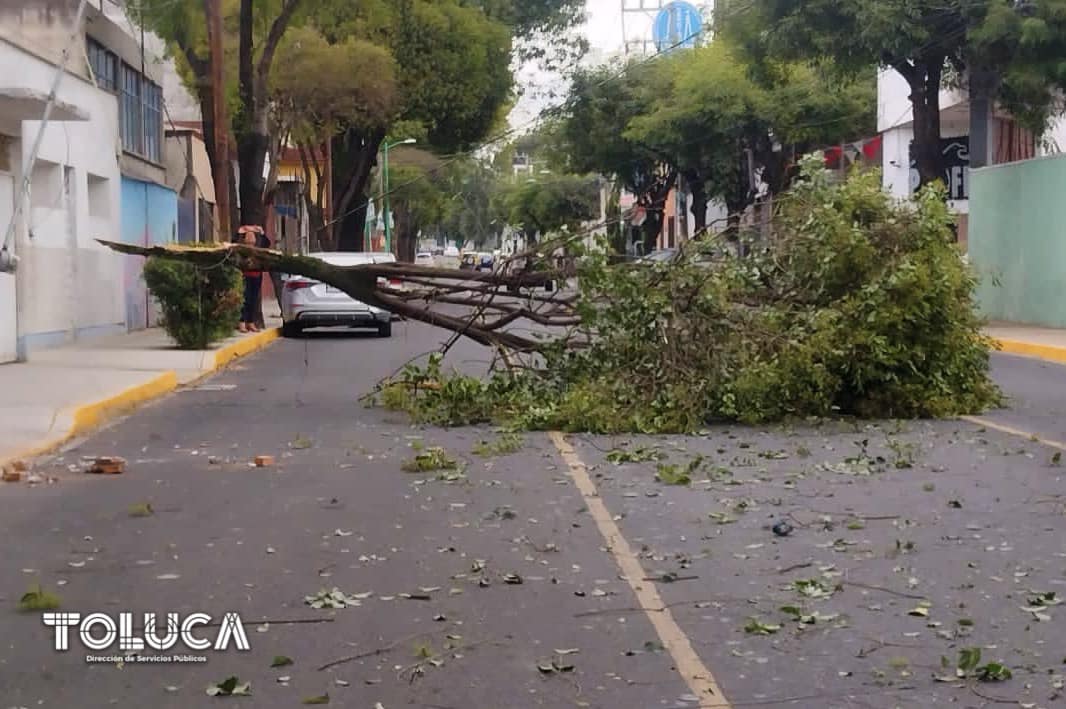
x: 552, y: 111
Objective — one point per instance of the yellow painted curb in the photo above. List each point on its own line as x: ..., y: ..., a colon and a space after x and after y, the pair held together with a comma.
x: 1050, y: 353
x: 245, y: 346
x: 89, y: 416
x: 86, y: 417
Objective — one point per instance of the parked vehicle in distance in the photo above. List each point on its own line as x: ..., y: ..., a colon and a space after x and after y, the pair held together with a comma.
x: 424, y: 258
x: 306, y: 303
x: 468, y: 262
x: 485, y: 262
x: 659, y: 256
x: 451, y: 251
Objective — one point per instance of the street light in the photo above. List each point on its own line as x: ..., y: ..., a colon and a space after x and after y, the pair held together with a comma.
x: 385, y: 171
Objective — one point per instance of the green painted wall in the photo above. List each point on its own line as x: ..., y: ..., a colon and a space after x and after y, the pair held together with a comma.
x: 1017, y: 240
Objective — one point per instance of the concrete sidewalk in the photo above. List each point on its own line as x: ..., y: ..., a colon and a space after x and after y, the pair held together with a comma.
x: 1031, y: 341
x: 67, y: 391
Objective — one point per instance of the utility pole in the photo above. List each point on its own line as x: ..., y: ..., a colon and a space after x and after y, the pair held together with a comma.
x: 220, y: 124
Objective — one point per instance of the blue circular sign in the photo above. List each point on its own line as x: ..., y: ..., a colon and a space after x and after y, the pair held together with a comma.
x: 677, y: 25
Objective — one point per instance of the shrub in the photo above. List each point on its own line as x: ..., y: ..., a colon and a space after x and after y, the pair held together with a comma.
x: 859, y: 306
x: 200, y: 305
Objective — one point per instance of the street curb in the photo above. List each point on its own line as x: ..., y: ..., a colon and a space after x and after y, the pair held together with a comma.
x: 243, y: 347
x: 86, y: 417
x: 1049, y: 353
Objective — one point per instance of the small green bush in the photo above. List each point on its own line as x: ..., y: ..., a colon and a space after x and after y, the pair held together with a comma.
x: 200, y: 305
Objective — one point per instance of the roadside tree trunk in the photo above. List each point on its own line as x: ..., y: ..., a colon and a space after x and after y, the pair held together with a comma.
x: 354, y: 158
x: 924, y: 79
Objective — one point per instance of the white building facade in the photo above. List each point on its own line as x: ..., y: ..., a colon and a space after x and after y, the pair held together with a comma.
x: 1009, y: 141
x: 102, y: 144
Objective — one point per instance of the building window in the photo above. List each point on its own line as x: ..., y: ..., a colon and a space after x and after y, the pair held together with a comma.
x: 131, y: 115
x: 104, y: 65
x: 140, y: 112
x: 152, y: 96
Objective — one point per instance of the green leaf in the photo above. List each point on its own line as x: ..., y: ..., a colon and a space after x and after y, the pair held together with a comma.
x: 281, y: 661
x: 756, y: 627
x: 969, y: 658
x: 320, y: 699
x: 231, y: 686
x: 993, y: 672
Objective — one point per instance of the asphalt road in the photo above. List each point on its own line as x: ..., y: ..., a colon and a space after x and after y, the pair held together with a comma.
x: 910, y: 542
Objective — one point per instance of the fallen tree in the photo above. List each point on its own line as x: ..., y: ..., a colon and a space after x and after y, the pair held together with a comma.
x: 859, y: 306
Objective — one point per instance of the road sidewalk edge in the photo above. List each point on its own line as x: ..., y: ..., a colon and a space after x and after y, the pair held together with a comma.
x: 1050, y: 353
x: 87, y: 417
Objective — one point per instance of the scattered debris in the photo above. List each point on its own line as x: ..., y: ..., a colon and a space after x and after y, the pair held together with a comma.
x: 505, y: 444
x: 757, y: 627
x: 141, y: 509
x: 782, y: 528
x: 301, y: 443
x: 281, y: 661
x: 264, y: 461
x: 38, y: 599
x: 10, y: 475
x: 430, y: 460
x: 230, y: 687
x: 969, y: 666
x: 320, y: 699
x: 643, y: 454
x: 108, y: 465
x: 334, y: 598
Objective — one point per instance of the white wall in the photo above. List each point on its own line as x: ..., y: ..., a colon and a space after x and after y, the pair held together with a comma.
x: 68, y: 286
x: 894, y: 121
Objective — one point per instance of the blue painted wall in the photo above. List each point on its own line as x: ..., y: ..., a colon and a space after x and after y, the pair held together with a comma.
x: 149, y: 216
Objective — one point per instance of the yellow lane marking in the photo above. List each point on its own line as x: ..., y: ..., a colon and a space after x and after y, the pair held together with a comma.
x: 689, y: 665
x: 1013, y: 431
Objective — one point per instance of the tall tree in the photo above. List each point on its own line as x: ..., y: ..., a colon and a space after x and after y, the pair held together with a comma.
x: 726, y: 122
x: 354, y: 87
x: 1014, y: 43
x: 259, y: 28
x: 603, y: 102
x: 550, y: 203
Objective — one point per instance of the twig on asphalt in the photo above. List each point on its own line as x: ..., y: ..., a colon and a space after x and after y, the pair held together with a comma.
x: 881, y: 644
x: 378, y: 651
x: 796, y: 567
x: 268, y: 621
x: 990, y: 698
x: 415, y: 667
x: 871, y: 587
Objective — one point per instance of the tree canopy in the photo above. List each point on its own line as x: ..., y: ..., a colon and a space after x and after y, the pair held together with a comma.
x: 1016, y: 46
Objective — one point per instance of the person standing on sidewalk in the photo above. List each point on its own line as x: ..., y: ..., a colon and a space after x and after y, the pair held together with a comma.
x: 253, y: 281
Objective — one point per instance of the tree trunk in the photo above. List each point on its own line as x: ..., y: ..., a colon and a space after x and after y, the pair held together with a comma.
x: 354, y: 158
x: 406, y: 232
x: 924, y: 80
x: 699, y: 203
x: 655, y: 214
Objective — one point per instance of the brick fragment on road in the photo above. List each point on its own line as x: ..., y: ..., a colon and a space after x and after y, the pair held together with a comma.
x: 108, y: 465
x: 264, y: 461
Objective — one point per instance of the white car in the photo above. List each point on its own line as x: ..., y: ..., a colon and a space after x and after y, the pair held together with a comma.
x: 424, y: 258
x: 307, y: 303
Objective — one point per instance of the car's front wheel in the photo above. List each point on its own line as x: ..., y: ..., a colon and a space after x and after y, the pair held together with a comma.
x: 385, y: 329
x: 291, y: 329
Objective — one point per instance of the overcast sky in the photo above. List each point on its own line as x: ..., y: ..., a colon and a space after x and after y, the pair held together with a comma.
x: 603, y: 29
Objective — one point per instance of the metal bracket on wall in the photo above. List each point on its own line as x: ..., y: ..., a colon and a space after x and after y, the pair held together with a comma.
x: 9, y: 262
